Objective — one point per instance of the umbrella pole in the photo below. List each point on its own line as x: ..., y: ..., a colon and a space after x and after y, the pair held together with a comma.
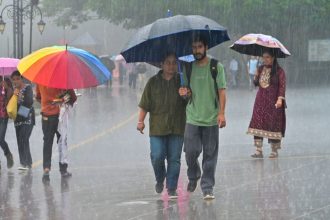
x: 3, y: 87
x: 180, y: 73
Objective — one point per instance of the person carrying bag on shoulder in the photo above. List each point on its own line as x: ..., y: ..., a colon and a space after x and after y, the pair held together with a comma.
x: 25, y: 119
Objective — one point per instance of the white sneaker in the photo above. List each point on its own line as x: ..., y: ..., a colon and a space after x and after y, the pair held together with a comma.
x: 208, y: 196
x: 172, y: 194
x: 23, y: 167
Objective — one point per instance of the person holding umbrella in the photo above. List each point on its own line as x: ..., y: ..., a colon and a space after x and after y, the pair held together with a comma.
x: 179, y: 33
x: 7, y: 67
x: 268, y: 118
x: 167, y: 120
x: 50, y: 111
x: 205, y: 115
x: 5, y: 95
x: 55, y: 70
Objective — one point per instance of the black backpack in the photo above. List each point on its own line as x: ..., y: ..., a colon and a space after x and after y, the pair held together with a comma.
x: 214, y: 72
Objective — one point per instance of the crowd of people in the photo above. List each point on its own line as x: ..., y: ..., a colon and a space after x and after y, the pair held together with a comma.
x: 55, y: 107
x: 186, y: 111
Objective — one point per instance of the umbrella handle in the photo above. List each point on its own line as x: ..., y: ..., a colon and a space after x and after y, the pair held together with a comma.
x: 181, y: 74
x: 3, y: 87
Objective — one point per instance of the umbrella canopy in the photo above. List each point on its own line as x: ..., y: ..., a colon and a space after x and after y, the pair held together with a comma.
x: 64, y: 68
x: 256, y: 44
x: 176, y: 33
x: 7, y: 66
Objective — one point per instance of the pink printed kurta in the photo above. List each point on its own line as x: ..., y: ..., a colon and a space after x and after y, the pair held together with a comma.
x: 267, y: 121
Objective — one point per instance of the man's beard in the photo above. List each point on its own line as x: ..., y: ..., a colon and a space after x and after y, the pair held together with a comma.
x: 199, y: 56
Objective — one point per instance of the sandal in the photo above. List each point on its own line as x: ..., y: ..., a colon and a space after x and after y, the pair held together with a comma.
x: 257, y: 154
x: 273, y: 155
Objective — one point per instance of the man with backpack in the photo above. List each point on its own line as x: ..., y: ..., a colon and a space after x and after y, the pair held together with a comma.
x: 205, y: 87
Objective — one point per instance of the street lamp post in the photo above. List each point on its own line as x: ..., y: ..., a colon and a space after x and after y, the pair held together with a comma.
x: 18, y: 12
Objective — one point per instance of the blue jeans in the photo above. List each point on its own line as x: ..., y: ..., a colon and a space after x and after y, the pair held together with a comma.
x: 167, y: 147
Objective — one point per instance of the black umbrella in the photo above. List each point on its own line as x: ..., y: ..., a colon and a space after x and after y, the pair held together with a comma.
x: 172, y: 34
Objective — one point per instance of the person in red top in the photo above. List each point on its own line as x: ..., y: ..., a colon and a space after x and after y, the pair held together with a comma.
x: 50, y: 98
x: 6, y: 91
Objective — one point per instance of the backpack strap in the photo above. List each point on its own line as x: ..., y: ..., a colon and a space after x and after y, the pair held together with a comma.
x: 214, y: 73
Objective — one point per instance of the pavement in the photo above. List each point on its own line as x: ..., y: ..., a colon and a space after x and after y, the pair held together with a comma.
x: 113, y: 178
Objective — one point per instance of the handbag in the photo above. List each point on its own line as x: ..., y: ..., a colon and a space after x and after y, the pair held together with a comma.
x: 23, y: 111
x: 12, y: 107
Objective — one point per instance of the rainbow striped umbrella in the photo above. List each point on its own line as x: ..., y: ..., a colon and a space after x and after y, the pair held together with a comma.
x: 64, y: 68
x: 256, y: 44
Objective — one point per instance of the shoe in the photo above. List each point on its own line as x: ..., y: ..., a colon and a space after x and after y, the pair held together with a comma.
x: 208, y: 196
x: 273, y: 155
x: 45, y: 176
x: 64, y: 170
x: 23, y: 167
x: 159, y: 187
x: 10, y: 160
x: 192, y: 186
x: 66, y: 174
x: 45, y: 179
x: 259, y: 155
x: 172, y: 194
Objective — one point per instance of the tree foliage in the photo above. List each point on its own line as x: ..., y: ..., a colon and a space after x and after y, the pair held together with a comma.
x: 68, y: 13
x: 269, y: 16
x: 288, y: 20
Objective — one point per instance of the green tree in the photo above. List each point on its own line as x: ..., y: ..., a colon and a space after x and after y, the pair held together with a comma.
x: 67, y: 13
x: 293, y: 22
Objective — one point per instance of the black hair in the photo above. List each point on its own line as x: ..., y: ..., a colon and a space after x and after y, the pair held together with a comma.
x: 15, y: 73
x: 274, y: 79
x: 275, y: 67
x: 200, y: 38
x: 167, y: 54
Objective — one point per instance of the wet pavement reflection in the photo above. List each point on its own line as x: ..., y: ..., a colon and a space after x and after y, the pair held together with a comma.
x: 113, y: 178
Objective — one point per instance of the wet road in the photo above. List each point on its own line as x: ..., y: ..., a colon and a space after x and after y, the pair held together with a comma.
x: 113, y: 177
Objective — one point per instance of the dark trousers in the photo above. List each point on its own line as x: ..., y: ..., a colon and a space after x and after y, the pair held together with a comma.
x: 3, y: 130
x: 49, y: 128
x: 132, y: 80
x: 121, y: 78
x: 196, y: 140
x: 23, y: 133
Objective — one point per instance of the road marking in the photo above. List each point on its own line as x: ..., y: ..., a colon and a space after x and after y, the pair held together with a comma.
x: 321, y: 156
x: 95, y: 137
x: 133, y: 203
